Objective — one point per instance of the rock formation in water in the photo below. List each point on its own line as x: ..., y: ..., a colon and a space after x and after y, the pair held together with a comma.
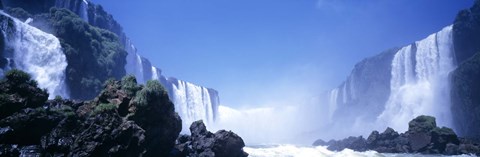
x: 125, y: 119
x: 202, y: 142
x: 423, y: 136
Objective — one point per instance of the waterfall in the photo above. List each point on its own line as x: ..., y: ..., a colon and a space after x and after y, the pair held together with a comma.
x: 332, y: 104
x: 420, y: 82
x: 79, y: 7
x: 83, y: 12
x: 39, y: 54
x: 192, y: 102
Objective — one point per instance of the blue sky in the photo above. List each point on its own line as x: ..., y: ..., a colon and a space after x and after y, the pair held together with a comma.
x: 255, y: 51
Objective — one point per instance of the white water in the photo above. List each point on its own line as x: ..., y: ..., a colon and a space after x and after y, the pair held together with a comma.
x: 192, y: 102
x: 39, y: 54
x: 320, y: 151
x: 421, y: 86
x: 84, y: 10
x: 332, y: 104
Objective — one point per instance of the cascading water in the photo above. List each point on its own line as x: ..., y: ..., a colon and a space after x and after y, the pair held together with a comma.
x: 39, y: 54
x: 332, y: 104
x: 394, y: 87
x: 80, y: 7
x: 420, y: 81
x: 84, y: 10
x: 192, y: 102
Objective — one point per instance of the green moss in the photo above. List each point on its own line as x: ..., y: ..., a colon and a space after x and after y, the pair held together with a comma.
x: 152, y: 90
x: 422, y: 124
x: 64, y: 110
x: 104, y: 107
x: 129, y: 84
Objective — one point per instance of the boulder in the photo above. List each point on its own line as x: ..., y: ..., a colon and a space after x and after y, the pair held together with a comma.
x: 206, y: 144
x: 354, y: 143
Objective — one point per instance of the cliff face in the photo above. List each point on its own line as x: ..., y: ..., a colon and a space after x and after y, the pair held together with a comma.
x: 97, y: 49
x: 367, y: 86
x: 436, y: 76
x: 465, y: 79
x: 466, y: 32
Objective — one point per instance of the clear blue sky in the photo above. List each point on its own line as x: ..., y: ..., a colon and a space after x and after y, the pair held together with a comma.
x: 253, y: 51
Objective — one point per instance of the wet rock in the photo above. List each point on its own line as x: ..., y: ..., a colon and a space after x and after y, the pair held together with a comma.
x: 206, y: 144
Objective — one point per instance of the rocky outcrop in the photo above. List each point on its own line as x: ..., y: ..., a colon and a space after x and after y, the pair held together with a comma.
x: 124, y: 120
x: 204, y: 143
x: 423, y: 136
x: 19, y: 91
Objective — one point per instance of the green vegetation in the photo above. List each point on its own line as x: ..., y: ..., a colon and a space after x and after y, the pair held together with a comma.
x: 422, y: 124
x: 18, y: 91
x: 129, y: 84
x: 94, y: 55
x: 153, y: 90
x: 104, y: 107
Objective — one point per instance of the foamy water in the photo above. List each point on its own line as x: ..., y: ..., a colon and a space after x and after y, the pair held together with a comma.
x: 320, y: 151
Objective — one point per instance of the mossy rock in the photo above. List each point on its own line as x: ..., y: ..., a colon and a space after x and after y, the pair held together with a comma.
x: 423, y: 124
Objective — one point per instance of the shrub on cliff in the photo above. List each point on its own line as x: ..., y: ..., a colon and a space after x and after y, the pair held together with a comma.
x: 154, y: 112
x: 19, y: 91
x: 129, y: 84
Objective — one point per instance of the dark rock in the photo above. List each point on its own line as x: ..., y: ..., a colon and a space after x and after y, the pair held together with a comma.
x: 107, y: 134
x: 8, y: 150
x: 423, y: 137
x: 422, y: 124
x: 19, y: 91
x: 320, y: 142
x: 227, y: 144
x: 40, y: 120
x: 465, y: 86
x: 155, y: 113
x: 33, y: 151
x: 354, y: 143
x: 419, y: 141
x: 443, y: 136
x: 451, y: 149
x: 206, y: 144
x: 198, y: 129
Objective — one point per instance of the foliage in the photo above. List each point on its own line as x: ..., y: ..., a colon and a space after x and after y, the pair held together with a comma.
x: 152, y: 90
x: 104, y: 107
x: 58, y: 98
x: 64, y: 110
x: 93, y: 55
x: 18, y: 13
x: 129, y: 84
x: 18, y: 91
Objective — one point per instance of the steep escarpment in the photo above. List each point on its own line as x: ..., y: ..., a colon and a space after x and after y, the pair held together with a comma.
x: 434, y: 76
x: 465, y: 85
x: 366, y: 86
